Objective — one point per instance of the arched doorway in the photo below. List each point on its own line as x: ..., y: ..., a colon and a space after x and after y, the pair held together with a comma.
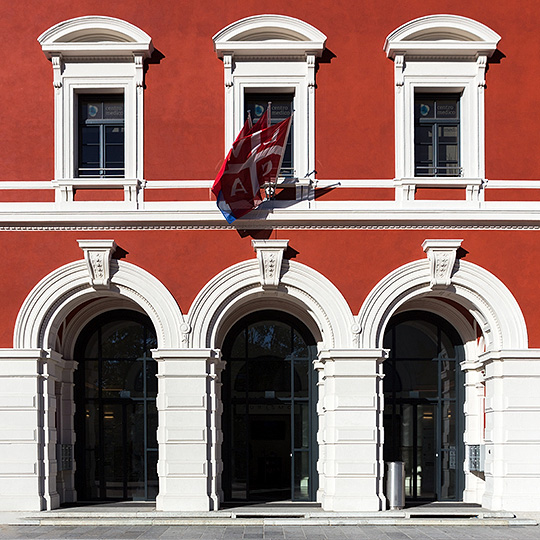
x: 116, y: 415
x: 423, y: 414
x: 269, y: 418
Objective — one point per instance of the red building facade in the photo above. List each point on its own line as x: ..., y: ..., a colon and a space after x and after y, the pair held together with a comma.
x: 380, y: 307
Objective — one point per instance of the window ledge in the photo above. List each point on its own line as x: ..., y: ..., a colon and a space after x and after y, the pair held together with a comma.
x: 438, y: 181
x: 65, y: 188
x: 406, y: 187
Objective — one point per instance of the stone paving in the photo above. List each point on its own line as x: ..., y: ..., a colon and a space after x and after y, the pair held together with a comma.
x: 232, y: 532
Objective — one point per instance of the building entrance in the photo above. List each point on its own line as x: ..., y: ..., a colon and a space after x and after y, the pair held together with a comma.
x: 116, y: 416
x: 423, y: 415
x: 269, y: 421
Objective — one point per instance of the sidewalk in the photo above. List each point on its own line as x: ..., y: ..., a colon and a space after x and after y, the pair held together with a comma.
x: 232, y: 532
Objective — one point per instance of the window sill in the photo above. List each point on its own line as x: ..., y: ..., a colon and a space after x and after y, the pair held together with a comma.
x: 65, y: 189
x: 406, y: 187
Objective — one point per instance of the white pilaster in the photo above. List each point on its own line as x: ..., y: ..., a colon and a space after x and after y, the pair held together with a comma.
x: 473, y: 410
x: 27, y: 430
x: 512, y: 438
x: 351, y: 432
x: 189, y: 462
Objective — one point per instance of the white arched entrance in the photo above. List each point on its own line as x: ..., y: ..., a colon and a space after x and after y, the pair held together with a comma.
x: 42, y: 363
x: 492, y: 328
x: 347, y: 443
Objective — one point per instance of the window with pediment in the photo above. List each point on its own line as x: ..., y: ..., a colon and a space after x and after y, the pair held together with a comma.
x: 98, y: 80
x: 440, y: 59
x: 272, y: 57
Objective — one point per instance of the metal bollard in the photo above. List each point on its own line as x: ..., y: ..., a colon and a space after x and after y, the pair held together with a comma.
x: 395, y: 485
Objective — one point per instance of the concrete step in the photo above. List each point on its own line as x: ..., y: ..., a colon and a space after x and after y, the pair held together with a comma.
x: 289, y: 518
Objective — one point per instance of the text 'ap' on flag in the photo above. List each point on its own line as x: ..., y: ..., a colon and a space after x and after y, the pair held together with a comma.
x: 254, y: 160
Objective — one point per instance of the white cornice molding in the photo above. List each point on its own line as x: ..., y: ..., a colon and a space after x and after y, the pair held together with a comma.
x: 95, y: 35
x: 267, y: 34
x: 361, y: 183
x: 442, y: 35
x: 105, y: 215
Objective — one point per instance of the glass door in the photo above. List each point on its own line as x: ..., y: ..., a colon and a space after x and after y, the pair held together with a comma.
x: 269, y: 447
x: 116, y: 419
x: 423, y: 419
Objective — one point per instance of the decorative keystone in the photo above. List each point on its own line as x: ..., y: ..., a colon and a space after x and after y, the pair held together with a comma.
x: 442, y: 257
x: 270, y: 256
x: 97, y: 254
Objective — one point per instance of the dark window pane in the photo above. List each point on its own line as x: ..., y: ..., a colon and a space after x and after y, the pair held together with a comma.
x: 92, y: 110
x: 448, y: 379
x: 424, y: 134
x: 447, y: 108
x: 424, y: 154
x: 114, y: 156
x: 269, y: 377
x: 281, y: 108
x: 91, y: 378
x: 151, y: 378
x: 301, y: 378
x: 424, y: 108
x: 418, y: 378
x: 416, y: 339
x: 436, y: 135
x: 90, y: 135
x: 101, y: 135
x: 269, y: 338
x: 301, y: 476
x: 90, y: 156
x: 239, y: 346
x: 448, y: 134
x: 123, y: 339
x: 114, y: 134
x: 267, y: 407
x: 113, y: 110
x: 300, y: 348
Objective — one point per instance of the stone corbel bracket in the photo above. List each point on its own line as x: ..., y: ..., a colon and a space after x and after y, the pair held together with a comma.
x: 98, y: 254
x: 270, y: 257
x: 442, y: 257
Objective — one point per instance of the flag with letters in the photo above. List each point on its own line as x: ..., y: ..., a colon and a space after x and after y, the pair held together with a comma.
x: 254, y: 160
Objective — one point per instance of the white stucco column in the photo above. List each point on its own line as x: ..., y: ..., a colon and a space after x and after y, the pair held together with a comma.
x: 473, y: 410
x: 512, y: 466
x: 351, y: 431
x: 188, y: 429
x: 65, y: 414
x: 28, y: 469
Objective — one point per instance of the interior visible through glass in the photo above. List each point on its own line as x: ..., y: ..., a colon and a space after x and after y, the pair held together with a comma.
x: 423, y: 422
x: 116, y: 419
x: 268, y: 418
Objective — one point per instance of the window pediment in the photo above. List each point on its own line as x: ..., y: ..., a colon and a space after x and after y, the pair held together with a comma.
x: 442, y: 35
x: 271, y: 35
x: 95, y: 35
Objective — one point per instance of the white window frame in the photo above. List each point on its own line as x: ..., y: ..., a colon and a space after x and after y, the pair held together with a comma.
x: 441, y: 54
x: 100, y: 55
x: 274, y: 54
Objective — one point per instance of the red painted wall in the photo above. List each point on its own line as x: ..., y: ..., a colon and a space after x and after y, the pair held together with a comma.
x: 184, y: 96
x: 184, y: 126
x: 354, y: 260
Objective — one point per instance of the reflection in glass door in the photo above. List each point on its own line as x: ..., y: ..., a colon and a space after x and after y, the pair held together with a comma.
x: 268, y: 418
x: 116, y: 418
x: 423, y: 419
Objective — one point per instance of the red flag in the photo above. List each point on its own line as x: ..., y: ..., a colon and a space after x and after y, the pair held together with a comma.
x: 253, y: 161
